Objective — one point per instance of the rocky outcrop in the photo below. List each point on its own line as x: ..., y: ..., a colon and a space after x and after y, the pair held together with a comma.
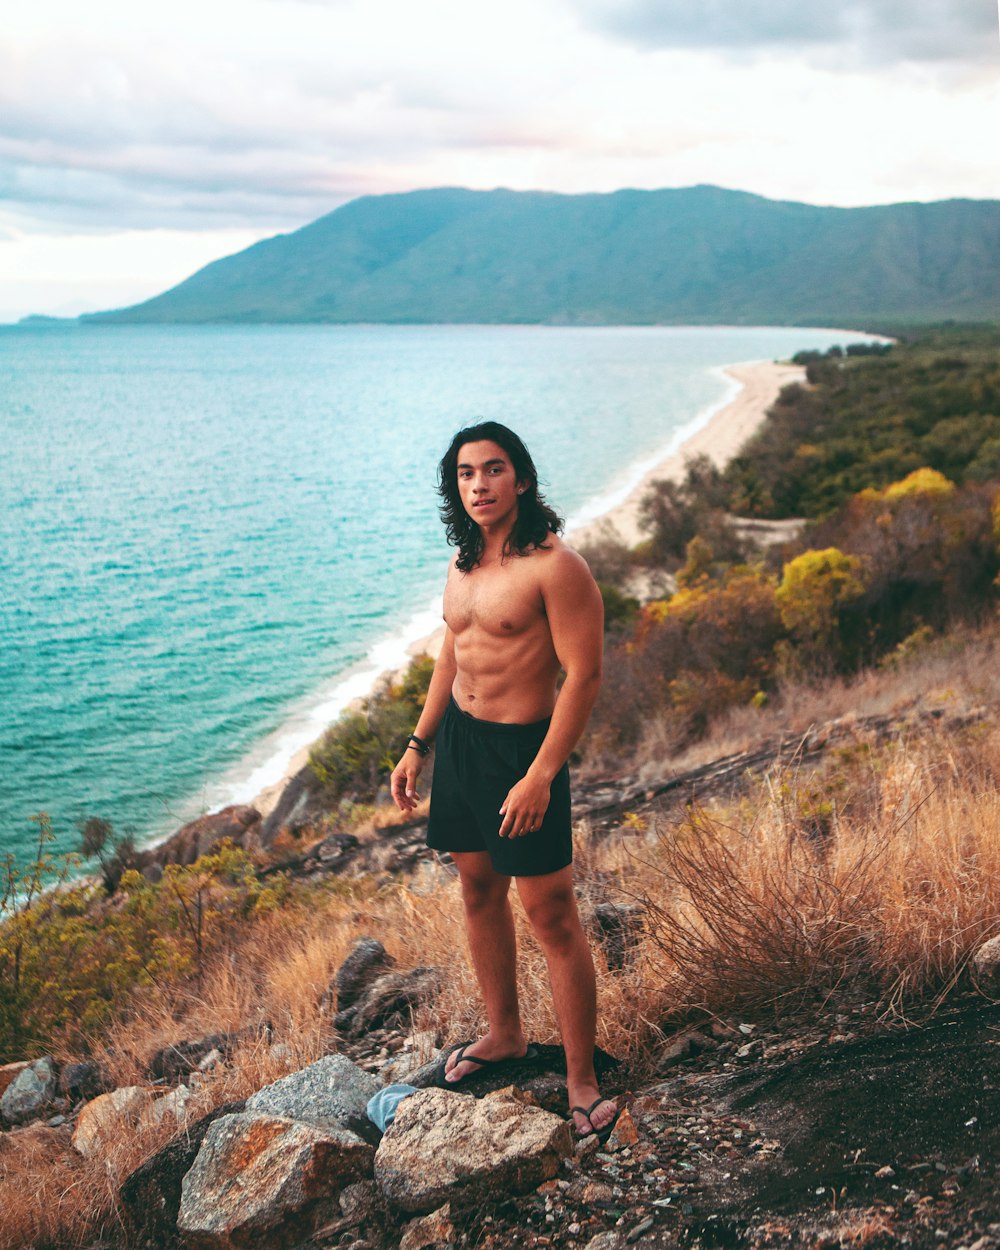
x: 266, y: 1181
x: 445, y: 1147
x: 31, y: 1092
x: 242, y: 824
x: 331, y: 1093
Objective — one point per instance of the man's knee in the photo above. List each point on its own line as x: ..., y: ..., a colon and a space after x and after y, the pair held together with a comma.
x: 483, y: 890
x: 554, y: 918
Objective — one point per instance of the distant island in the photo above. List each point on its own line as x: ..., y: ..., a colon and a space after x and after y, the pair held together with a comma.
x: 698, y: 255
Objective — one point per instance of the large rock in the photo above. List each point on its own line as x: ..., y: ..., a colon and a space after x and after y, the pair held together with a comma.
x: 10, y: 1071
x: 389, y: 1001
x: 330, y: 1093
x: 102, y: 1120
x: 31, y: 1092
x: 444, y: 1147
x: 986, y: 967
x: 151, y: 1195
x: 266, y: 1182
x: 366, y: 960
x: 241, y: 824
x: 85, y: 1079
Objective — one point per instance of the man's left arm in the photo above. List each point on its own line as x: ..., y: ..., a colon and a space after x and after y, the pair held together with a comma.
x: 575, y: 614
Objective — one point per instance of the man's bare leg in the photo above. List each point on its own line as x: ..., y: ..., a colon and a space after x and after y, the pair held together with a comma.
x: 550, y: 903
x: 489, y: 926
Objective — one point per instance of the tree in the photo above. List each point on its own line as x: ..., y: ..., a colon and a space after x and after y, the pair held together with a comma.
x: 815, y: 586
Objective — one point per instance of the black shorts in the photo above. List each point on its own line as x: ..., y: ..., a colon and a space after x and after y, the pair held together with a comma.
x: 475, y: 764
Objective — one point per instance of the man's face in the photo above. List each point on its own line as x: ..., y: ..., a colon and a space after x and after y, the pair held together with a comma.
x: 486, y: 482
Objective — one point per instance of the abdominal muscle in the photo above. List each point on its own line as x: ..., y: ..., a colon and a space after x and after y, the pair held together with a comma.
x: 508, y: 679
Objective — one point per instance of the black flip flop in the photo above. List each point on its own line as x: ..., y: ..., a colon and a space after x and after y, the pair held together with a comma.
x: 602, y: 1134
x: 483, y: 1064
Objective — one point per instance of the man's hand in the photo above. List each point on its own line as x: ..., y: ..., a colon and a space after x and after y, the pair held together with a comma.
x: 403, y: 782
x: 524, y: 808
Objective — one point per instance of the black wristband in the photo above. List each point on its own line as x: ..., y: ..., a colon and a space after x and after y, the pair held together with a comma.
x: 418, y: 744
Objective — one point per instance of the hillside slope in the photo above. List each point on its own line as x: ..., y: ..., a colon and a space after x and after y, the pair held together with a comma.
x: 694, y: 255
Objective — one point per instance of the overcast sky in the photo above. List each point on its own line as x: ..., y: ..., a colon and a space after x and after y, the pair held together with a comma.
x: 140, y: 140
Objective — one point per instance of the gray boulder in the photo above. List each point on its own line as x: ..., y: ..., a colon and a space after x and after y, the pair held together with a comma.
x: 330, y: 1093
x: 31, y: 1092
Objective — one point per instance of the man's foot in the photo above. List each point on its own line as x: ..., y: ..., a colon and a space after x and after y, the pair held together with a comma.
x: 468, y: 1058
x: 597, y: 1116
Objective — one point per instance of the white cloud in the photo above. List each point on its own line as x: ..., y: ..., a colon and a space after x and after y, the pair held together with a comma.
x: 206, y: 117
x: 868, y: 31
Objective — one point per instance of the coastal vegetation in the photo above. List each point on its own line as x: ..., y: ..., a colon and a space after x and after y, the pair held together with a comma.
x: 861, y: 871
x: 691, y: 256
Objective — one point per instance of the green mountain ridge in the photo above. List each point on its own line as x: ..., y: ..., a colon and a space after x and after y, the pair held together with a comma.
x: 698, y: 255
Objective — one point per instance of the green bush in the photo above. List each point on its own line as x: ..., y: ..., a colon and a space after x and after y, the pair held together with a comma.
x: 72, y: 960
x: 361, y: 748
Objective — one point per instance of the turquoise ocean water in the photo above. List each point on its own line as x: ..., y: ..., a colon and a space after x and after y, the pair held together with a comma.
x: 212, y: 538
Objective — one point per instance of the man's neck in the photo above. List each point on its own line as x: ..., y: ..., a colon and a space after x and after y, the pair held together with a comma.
x: 494, y: 540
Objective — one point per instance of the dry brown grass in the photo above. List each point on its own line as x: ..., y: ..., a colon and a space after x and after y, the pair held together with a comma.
x: 755, y: 906
x: 751, y: 905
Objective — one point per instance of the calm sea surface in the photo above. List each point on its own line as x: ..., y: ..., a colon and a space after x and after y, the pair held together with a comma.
x: 210, y: 538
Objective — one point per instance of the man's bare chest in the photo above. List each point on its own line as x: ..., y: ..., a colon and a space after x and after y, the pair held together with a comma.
x: 502, y: 601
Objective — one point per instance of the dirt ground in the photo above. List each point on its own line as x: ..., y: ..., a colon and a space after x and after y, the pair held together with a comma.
x: 820, y: 1133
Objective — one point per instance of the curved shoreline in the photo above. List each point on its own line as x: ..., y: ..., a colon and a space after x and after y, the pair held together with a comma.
x: 719, y: 434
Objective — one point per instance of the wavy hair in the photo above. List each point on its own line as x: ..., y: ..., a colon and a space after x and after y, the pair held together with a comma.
x: 535, y: 522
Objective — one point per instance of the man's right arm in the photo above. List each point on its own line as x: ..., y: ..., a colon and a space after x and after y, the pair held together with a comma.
x: 403, y: 784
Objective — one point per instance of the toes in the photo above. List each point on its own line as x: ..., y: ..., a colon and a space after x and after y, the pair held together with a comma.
x: 603, y: 1114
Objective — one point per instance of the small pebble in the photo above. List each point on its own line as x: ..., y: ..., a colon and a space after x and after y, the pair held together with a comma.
x: 885, y: 1174
x: 642, y: 1227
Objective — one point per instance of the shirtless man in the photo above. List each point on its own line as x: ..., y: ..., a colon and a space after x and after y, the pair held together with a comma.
x: 519, y: 606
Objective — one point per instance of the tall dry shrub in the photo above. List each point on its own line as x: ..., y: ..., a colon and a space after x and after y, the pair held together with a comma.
x: 896, y: 895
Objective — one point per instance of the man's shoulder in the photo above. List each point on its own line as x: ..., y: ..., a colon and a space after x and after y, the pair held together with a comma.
x: 559, y: 560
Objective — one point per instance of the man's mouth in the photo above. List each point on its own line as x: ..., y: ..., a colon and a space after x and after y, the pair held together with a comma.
x: 483, y: 503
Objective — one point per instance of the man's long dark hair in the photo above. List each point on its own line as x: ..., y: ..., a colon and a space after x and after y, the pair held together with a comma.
x: 536, y: 521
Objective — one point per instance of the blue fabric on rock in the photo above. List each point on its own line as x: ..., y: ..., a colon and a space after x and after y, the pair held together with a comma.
x: 382, y: 1106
